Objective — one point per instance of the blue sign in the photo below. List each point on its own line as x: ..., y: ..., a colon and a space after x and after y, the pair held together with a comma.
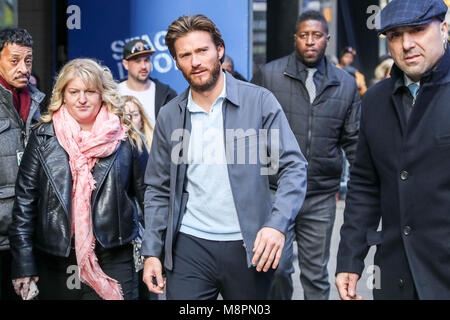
x: 106, y: 25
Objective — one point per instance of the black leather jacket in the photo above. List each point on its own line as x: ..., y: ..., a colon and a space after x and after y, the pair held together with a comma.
x: 42, y: 209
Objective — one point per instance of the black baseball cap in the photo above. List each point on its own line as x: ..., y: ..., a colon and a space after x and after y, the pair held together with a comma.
x: 135, y: 48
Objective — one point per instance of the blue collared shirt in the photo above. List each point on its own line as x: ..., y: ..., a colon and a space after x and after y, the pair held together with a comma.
x: 210, y: 211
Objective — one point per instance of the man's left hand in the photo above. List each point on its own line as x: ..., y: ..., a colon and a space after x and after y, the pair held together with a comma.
x: 267, y: 248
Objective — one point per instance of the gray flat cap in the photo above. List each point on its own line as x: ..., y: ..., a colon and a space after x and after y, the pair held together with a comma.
x: 402, y: 13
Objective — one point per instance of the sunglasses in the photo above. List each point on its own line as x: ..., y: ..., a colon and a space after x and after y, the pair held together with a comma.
x: 138, y: 47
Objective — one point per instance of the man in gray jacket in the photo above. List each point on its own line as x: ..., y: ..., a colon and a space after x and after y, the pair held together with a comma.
x: 322, y: 105
x: 19, y: 110
x: 207, y: 206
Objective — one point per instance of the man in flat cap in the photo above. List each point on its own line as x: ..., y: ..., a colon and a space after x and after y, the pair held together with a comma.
x: 401, y: 175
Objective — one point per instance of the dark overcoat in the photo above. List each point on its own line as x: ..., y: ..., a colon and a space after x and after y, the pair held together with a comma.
x: 401, y: 175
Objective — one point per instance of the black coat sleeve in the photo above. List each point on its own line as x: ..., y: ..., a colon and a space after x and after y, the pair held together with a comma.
x: 349, y: 135
x: 362, y: 208
x: 140, y: 159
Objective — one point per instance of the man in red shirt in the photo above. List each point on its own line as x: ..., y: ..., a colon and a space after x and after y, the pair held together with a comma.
x: 19, y: 111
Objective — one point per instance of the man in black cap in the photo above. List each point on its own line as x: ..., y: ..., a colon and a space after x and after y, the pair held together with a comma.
x: 150, y: 92
x: 400, y: 175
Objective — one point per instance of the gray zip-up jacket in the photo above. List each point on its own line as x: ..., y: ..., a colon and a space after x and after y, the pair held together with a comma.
x: 248, y: 111
x: 13, y: 138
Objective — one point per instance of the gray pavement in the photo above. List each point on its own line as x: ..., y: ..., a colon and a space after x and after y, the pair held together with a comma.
x: 362, y: 287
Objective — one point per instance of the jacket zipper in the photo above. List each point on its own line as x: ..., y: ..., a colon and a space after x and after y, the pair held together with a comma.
x: 310, y: 110
x: 308, y: 140
x: 310, y: 121
x: 224, y: 111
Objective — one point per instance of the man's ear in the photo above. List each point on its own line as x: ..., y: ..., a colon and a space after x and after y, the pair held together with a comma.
x: 125, y: 64
x: 444, y: 30
x: 221, y: 51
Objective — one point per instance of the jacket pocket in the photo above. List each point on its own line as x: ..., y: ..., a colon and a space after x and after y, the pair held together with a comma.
x: 7, y: 192
x: 374, y: 238
x: 4, y: 124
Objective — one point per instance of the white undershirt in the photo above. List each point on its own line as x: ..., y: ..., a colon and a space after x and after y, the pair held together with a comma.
x: 147, y: 98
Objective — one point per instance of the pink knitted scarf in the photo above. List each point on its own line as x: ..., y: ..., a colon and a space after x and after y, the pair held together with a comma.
x: 84, y: 149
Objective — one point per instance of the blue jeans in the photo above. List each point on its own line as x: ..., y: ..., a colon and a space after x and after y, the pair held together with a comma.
x: 312, y: 231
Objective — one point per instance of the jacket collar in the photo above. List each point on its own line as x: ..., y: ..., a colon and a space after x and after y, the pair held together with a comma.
x: 438, y: 75
x: 321, y: 66
x: 35, y: 94
x: 45, y: 129
x: 7, y: 100
x: 330, y: 73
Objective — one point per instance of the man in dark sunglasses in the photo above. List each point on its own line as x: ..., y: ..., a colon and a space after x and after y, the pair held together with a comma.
x: 150, y: 92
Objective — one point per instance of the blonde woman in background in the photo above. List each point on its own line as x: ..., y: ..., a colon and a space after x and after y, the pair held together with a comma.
x: 141, y: 122
x: 75, y: 214
x: 383, y: 70
x: 139, y: 118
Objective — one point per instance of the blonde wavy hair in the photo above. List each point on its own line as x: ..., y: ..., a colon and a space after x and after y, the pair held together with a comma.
x: 93, y: 73
x: 383, y: 69
x: 147, y: 128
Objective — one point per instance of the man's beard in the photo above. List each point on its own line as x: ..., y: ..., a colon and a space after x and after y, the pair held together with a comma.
x: 309, y: 64
x: 140, y: 79
x: 210, y: 83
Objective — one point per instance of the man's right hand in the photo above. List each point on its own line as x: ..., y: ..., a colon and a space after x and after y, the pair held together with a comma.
x: 153, y: 269
x: 346, y: 285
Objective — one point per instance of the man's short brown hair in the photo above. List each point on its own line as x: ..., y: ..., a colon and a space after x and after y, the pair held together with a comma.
x: 185, y: 24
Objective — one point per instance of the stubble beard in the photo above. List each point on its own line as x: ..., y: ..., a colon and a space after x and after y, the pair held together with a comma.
x: 210, y: 83
x: 139, y: 79
x: 309, y: 64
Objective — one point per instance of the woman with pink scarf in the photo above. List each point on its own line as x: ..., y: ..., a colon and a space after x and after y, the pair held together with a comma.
x: 75, y: 213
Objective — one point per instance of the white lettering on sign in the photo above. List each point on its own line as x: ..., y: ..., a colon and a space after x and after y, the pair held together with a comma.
x: 74, y: 20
